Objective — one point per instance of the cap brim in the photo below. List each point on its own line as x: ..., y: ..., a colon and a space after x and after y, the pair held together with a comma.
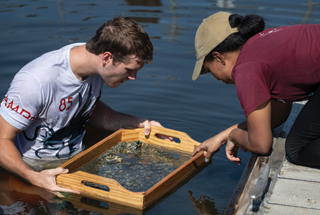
x: 197, y: 69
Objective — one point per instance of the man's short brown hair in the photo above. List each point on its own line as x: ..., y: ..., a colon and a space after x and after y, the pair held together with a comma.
x: 122, y: 37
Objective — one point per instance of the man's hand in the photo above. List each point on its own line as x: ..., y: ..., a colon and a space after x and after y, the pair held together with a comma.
x: 17, y: 184
x: 146, y: 124
x: 47, y: 179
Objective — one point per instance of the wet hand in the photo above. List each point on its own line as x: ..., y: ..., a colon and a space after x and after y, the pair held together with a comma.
x: 17, y: 184
x: 47, y: 179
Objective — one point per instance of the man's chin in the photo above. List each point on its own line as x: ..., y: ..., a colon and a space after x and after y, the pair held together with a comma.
x: 113, y: 85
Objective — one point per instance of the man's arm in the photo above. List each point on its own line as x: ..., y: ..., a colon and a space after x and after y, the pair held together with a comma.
x: 104, y: 117
x: 10, y: 159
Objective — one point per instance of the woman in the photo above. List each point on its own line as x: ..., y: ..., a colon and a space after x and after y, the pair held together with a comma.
x: 271, y: 69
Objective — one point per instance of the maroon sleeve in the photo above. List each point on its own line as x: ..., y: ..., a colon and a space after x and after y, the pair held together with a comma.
x: 252, y: 80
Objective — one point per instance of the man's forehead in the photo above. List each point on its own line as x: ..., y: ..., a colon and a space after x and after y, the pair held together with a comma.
x: 134, y: 59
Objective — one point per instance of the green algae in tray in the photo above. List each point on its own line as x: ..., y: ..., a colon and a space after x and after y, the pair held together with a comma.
x: 137, y: 166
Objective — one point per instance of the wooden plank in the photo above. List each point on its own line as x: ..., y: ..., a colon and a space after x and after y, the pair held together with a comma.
x: 244, y: 199
x: 100, y: 207
x: 117, y: 193
x: 187, y: 144
x: 240, y: 186
x: 174, y: 178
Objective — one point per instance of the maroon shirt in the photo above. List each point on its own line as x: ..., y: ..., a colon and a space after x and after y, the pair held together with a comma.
x: 281, y: 63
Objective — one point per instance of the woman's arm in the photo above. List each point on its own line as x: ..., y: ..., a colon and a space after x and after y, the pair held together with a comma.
x: 258, y: 137
x: 213, y: 144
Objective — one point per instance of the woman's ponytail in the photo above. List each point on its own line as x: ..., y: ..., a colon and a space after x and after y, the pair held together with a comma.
x: 248, y: 26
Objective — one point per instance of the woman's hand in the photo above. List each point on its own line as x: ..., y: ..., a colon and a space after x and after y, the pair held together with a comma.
x: 232, y: 152
x: 209, y: 148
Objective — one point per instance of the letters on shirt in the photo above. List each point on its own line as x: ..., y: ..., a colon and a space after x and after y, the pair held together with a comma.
x: 17, y: 109
x: 270, y: 32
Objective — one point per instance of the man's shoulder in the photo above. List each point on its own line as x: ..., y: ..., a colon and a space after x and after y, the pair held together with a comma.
x: 70, y: 46
x: 50, y: 64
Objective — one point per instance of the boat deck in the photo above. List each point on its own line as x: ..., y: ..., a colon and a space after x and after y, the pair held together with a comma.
x: 278, y: 186
x: 296, y: 191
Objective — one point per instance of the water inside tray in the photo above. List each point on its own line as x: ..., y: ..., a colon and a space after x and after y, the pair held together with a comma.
x: 135, y: 165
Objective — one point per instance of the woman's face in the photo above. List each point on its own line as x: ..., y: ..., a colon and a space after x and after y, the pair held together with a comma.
x: 219, y: 70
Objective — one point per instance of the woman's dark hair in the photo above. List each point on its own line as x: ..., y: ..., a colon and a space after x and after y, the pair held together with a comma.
x: 247, y: 26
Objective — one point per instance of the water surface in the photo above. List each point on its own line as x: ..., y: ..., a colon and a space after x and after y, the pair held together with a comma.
x: 163, y: 91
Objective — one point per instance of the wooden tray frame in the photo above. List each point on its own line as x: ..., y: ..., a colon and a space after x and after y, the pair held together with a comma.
x: 117, y: 193
x: 92, y: 204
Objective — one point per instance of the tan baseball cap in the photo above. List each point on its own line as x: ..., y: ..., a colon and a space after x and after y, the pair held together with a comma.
x: 212, y: 31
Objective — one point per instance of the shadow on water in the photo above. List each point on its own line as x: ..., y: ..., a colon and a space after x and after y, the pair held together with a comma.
x: 163, y: 91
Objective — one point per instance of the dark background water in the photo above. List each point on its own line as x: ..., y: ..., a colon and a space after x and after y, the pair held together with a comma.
x: 163, y: 90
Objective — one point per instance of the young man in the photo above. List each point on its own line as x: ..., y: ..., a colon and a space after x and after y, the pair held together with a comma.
x: 50, y: 99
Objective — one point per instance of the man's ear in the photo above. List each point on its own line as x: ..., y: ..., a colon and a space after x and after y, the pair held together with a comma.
x: 219, y: 57
x: 106, y: 57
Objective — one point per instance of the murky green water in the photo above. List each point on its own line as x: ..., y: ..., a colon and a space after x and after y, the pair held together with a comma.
x: 163, y: 91
x: 136, y: 166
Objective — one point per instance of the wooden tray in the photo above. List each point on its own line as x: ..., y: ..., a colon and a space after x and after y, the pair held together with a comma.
x: 105, y: 207
x: 118, y: 194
